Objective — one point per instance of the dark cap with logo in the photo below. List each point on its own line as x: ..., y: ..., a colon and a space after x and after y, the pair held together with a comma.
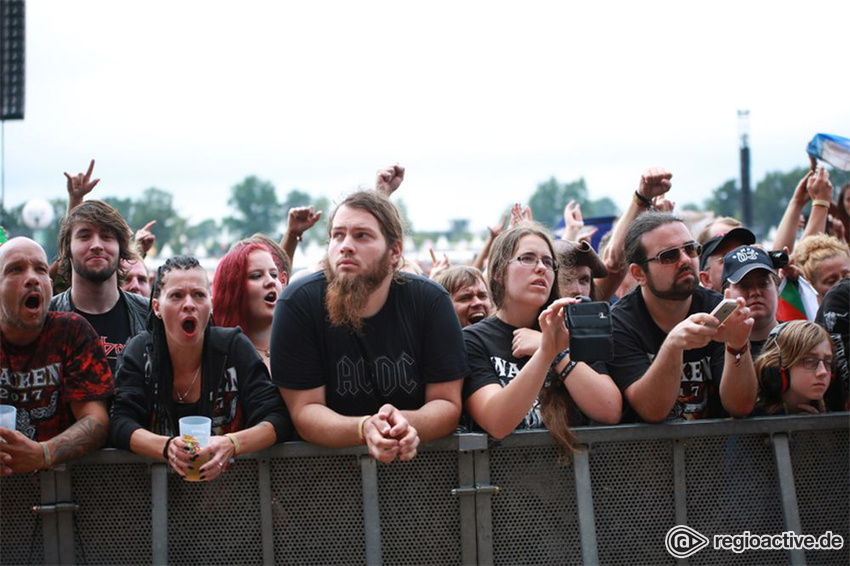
x: 742, y: 260
x: 741, y: 236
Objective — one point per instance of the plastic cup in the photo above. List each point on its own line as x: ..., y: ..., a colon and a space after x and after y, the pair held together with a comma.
x: 195, y: 432
x: 8, y: 416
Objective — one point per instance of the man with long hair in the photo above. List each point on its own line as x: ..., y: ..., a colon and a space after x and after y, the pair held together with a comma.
x: 363, y: 353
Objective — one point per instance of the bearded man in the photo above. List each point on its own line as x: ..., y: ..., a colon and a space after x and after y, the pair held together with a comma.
x: 93, y: 239
x: 364, y: 353
x: 669, y: 358
x: 52, y: 369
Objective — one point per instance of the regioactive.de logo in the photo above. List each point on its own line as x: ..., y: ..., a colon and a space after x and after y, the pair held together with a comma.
x: 682, y: 541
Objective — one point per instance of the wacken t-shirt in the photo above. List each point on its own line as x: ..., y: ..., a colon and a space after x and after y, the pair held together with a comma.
x: 637, y: 340
x: 415, y: 339
x: 66, y: 363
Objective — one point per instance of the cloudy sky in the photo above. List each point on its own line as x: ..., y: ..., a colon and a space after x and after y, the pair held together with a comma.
x: 479, y: 100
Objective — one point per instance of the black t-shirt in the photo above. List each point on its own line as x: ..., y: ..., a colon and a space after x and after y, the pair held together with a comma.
x: 113, y: 327
x: 413, y: 340
x: 834, y: 315
x: 489, y: 345
x: 637, y: 340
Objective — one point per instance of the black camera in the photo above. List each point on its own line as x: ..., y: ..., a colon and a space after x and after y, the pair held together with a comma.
x: 591, y: 331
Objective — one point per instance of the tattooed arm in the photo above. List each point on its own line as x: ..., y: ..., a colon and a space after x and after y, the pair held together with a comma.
x: 20, y: 454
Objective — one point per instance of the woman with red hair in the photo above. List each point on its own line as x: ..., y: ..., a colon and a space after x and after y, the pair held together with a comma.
x: 245, y: 289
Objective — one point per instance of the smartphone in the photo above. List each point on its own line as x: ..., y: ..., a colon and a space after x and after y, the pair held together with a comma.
x: 722, y: 311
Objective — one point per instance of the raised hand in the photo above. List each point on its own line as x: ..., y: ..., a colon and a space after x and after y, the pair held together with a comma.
x: 301, y: 219
x: 389, y: 179
x: 438, y: 265
x: 655, y: 181
x: 80, y: 185
x: 145, y: 238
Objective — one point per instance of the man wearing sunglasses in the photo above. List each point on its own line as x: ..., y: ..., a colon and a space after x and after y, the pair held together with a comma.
x: 670, y: 360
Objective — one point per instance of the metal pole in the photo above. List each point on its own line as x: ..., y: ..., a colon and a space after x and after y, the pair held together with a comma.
x: 744, y: 133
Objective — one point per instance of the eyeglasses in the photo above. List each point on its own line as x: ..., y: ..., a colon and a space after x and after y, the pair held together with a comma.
x: 531, y: 260
x: 812, y: 363
x: 666, y: 257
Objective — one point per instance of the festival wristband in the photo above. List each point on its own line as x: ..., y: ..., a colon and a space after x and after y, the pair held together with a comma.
x: 360, y: 426
x: 820, y: 202
x: 642, y: 200
x: 233, y: 441
x: 48, y: 461
x: 167, y: 444
x: 567, y: 370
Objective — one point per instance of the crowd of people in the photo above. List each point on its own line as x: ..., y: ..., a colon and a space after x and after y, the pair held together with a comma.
x: 369, y: 350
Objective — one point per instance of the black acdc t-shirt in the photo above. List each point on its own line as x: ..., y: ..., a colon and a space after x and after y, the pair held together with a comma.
x: 415, y: 339
x: 113, y: 327
x: 637, y: 340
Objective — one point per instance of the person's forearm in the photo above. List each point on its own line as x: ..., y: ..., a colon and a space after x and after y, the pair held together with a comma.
x: 596, y: 395
x: 84, y: 436
x: 654, y: 394
x: 817, y: 221
x: 738, y: 386
x: 289, y: 243
x: 256, y: 438
x: 786, y: 232
x: 570, y: 233
x: 479, y: 260
x: 435, y: 419
x: 320, y: 425
x: 605, y: 287
x: 505, y: 409
x: 145, y: 443
x: 615, y: 251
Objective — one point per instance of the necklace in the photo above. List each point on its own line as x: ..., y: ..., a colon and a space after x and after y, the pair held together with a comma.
x: 194, y: 379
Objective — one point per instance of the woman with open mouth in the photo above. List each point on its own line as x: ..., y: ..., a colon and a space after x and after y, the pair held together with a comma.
x: 246, y: 287
x: 183, y: 366
x: 522, y: 380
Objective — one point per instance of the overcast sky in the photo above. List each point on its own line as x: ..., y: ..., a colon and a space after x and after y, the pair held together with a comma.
x: 480, y: 101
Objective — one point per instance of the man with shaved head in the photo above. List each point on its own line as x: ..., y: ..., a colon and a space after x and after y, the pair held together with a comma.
x: 52, y: 369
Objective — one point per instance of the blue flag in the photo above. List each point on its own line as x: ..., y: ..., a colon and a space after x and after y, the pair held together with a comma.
x: 835, y: 150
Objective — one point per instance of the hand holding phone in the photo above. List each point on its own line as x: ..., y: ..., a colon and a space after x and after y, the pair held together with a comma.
x: 723, y: 310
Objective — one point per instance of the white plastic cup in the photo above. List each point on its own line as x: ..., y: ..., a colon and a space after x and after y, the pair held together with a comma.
x: 196, y: 430
x: 8, y: 416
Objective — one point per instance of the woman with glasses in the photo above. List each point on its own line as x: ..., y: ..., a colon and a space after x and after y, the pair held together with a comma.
x: 794, y: 369
x: 508, y: 389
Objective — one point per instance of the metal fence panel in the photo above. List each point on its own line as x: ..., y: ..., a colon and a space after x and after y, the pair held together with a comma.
x: 420, y: 518
x: 822, y: 478
x: 115, y: 506
x: 217, y: 522
x: 534, y: 514
x: 633, y: 500
x: 317, y: 507
x: 732, y: 488
x: 21, y: 539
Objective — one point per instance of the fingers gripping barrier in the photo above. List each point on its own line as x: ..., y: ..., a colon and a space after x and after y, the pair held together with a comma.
x: 465, y: 499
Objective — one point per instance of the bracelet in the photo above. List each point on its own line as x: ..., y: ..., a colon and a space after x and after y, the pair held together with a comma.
x: 641, y: 200
x: 167, y: 444
x: 738, y: 353
x: 567, y: 370
x: 560, y: 357
x: 48, y: 461
x: 233, y: 441
x: 360, y: 426
x: 821, y: 202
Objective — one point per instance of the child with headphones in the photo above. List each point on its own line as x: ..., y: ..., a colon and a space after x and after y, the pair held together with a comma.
x: 794, y: 369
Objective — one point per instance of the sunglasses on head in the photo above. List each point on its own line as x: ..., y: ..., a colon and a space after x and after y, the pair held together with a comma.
x: 666, y: 257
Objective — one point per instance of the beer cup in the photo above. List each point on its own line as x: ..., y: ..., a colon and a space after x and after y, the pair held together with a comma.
x: 195, y: 432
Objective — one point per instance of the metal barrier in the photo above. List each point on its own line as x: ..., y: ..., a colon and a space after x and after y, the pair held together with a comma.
x: 464, y: 499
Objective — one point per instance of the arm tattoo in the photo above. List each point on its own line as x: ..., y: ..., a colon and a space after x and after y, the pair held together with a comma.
x: 84, y: 436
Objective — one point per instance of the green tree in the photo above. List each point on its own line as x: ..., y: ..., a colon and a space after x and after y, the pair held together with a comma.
x: 203, y: 234
x: 295, y: 199
x: 725, y: 200
x: 549, y: 199
x: 257, y: 208
x: 157, y: 204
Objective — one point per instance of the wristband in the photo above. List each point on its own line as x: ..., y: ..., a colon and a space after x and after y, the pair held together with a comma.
x: 360, y: 426
x: 567, y: 370
x: 738, y: 353
x: 48, y: 461
x: 560, y: 357
x: 233, y: 441
x: 820, y: 202
x: 167, y: 444
x: 642, y: 200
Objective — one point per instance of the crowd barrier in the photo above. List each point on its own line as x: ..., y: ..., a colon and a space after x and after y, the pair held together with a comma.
x: 465, y: 499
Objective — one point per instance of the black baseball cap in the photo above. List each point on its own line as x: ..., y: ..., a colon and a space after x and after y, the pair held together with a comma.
x: 740, y: 235
x: 742, y: 260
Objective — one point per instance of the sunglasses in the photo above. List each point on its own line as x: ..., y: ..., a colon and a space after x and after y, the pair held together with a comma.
x: 666, y: 257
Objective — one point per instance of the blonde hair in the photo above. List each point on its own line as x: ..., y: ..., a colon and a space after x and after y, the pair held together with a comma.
x: 811, y: 251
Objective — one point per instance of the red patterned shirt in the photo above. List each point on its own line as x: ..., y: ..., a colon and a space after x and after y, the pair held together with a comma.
x: 65, y: 364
